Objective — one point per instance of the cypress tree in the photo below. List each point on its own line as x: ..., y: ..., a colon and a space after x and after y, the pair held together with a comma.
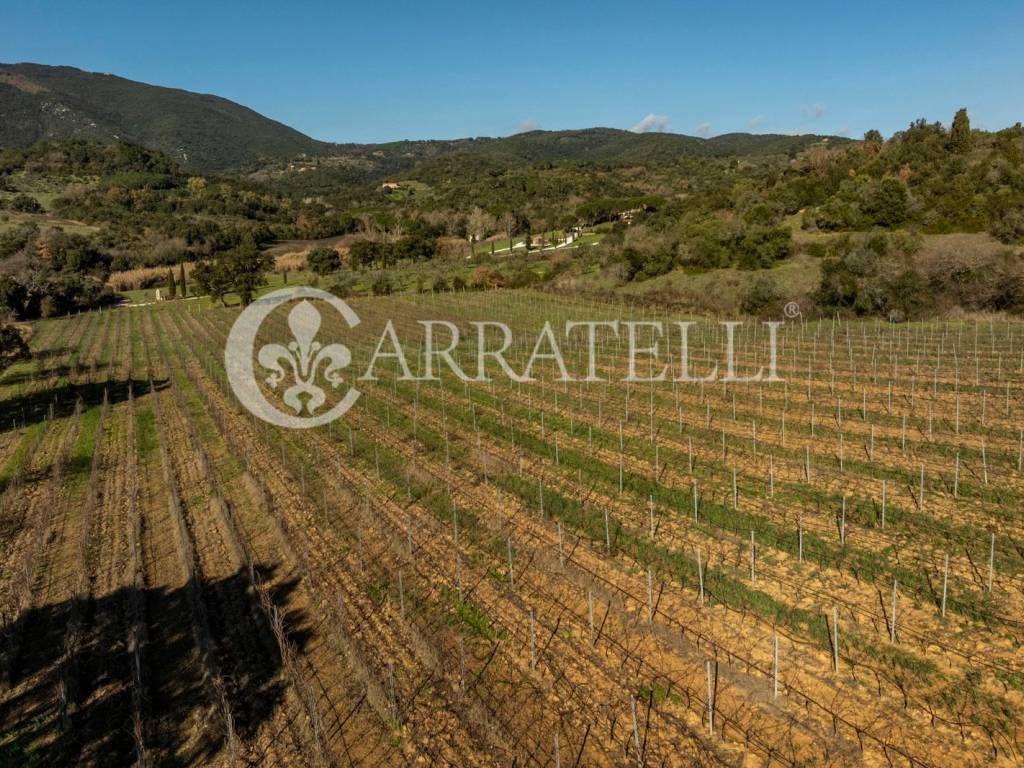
x: 182, y: 285
x: 172, y: 288
x: 960, y: 133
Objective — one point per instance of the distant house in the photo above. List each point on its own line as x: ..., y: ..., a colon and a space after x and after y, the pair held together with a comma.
x: 389, y: 186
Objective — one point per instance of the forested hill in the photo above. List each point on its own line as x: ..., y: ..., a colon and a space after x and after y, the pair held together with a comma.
x: 209, y: 134
x: 202, y: 132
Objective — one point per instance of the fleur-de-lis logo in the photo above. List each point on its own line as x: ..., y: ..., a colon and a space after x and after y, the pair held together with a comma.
x: 305, y: 355
x: 301, y: 366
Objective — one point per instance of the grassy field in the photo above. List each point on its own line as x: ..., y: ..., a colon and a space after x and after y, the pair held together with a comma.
x: 11, y: 219
x: 824, y: 569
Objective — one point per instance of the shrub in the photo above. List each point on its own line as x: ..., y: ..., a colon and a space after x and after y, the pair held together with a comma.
x: 761, y: 247
x: 342, y: 285
x: 323, y: 261
x: 759, y: 294
x: 24, y: 204
x: 382, y: 284
x: 483, y: 278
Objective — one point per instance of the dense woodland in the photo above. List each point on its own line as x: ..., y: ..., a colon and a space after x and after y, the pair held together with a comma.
x: 862, y: 207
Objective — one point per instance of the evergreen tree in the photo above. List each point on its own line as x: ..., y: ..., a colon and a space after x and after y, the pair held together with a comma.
x: 182, y: 284
x: 960, y: 133
x: 172, y: 288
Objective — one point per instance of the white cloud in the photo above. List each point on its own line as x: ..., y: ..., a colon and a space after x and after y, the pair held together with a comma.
x: 755, y: 122
x: 651, y: 124
x: 526, y: 126
x: 703, y: 129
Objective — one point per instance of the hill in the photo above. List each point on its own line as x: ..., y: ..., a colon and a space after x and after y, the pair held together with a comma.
x: 211, y: 134
x: 611, y: 145
x: 202, y: 132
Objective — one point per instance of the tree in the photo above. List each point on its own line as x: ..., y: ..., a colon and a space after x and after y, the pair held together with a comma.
x: 241, y: 270
x: 323, y: 261
x: 873, y: 137
x: 182, y: 285
x: 210, y: 280
x: 172, y: 287
x: 245, y: 269
x: 960, y: 139
x: 414, y: 248
x: 364, y: 253
x: 13, y: 346
x: 886, y: 204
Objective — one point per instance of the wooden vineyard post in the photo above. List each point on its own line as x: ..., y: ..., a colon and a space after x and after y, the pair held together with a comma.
x: 621, y: 459
x: 650, y: 596
x: 711, y: 699
x: 558, y: 754
x: 734, y: 493
x: 694, y: 501
x: 533, y: 640
x: 835, y: 639
x: 590, y: 613
x: 511, y: 576
x: 752, y: 577
x: 391, y: 690
x: 462, y: 664
x: 991, y: 560
x: 700, y: 577
x: 956, y: 475
x: 945, y: 582
x: 775, y: 665
x: 800, y: 538
x: 401, y: 595
x: 636, y: 731
x: 892, y: 623
x: 984, y: 462
x: 883, y: 504
x: 561, y: 548
x: 920, y: 492
x: 607, y: 534
x: 842, y: 524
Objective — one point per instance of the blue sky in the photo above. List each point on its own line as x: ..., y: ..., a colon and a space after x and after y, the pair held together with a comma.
x: 384, y: 70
